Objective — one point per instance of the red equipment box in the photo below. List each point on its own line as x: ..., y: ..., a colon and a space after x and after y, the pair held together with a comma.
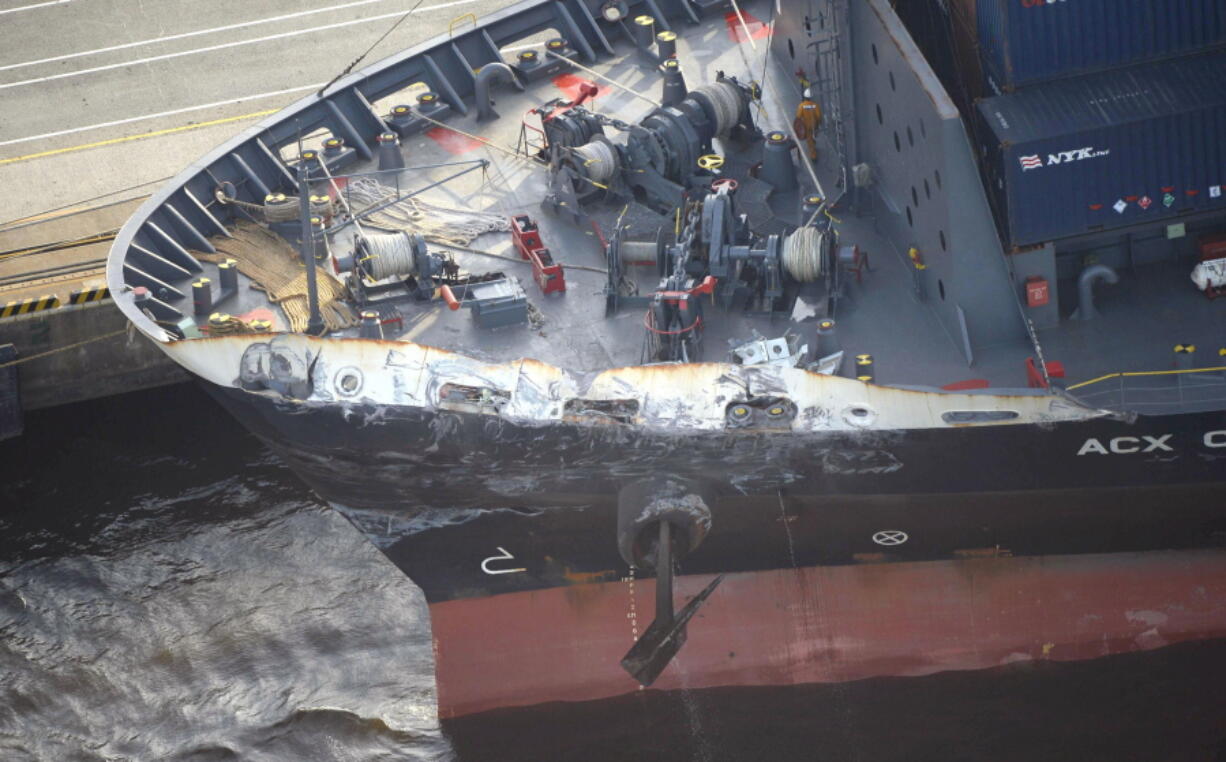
x: 527, y: 238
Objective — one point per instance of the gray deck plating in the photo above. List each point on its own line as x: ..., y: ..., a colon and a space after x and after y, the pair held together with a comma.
x: 915, y: 341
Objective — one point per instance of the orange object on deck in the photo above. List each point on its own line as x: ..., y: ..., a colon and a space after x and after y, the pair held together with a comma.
x: 808, y: 121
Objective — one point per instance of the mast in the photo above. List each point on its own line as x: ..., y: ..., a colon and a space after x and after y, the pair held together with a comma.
x: 315, y: 324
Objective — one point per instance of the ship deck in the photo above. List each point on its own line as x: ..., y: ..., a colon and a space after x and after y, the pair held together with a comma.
x: 1142, y: 318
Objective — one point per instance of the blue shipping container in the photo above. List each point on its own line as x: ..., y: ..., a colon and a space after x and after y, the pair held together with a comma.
x: 1107, y: 150
x: 1027, y: 41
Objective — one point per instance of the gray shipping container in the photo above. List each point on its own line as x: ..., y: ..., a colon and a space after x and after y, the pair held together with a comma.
x: 1028, y: 41
x: 1107, y: 150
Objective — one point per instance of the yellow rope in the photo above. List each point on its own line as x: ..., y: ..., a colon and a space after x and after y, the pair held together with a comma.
x: 45, y: 247
x: 48, y: 353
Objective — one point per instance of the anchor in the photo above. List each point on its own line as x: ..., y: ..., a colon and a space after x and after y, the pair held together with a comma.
x: 666, y: 634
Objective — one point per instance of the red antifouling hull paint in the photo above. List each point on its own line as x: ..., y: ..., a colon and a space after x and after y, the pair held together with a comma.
x: 826, y: 624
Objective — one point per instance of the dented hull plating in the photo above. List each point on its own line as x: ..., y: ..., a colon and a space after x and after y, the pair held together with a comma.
x: 441, y: 492
x: 909, y: 541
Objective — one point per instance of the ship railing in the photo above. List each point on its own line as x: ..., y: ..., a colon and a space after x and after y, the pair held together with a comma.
x: 1156, y: 392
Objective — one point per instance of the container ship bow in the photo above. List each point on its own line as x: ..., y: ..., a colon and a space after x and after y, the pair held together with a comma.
x: 679, y: 344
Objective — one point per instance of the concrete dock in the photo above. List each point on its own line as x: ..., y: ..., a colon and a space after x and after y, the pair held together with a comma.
x: 105, y: 99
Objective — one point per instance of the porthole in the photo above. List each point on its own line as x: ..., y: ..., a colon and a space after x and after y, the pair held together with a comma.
x: 348, y: 381
x: 859, y: 415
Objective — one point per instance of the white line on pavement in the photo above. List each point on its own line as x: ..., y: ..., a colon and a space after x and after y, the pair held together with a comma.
x: 185, y: 35
x: 164, y: 113
x: 36, y: 5
x: 226, y: 45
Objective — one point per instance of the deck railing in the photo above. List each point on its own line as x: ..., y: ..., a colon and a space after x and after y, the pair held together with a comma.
x: 1156, y: 392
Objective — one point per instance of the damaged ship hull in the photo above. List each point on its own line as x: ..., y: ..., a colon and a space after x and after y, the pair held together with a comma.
x: 911, y: 534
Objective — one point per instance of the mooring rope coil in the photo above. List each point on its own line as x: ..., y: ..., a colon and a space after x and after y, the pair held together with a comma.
x: 802, y: 254
x: 726, y: 99
x: 599, y: 159
x: 389, y: 255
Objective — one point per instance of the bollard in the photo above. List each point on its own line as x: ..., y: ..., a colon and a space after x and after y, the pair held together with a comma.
x: 390, y: 157
x: 400, y: 118
x: 864, y: 368
x: 777, y: 166
x: 227, y: 275
x: 371, y: 327
x: 674, y: 82
x: 666, y: 44
x: 644, y: 31
x: 202, y: 296
x: 219, y: 322
x: 827, y: 339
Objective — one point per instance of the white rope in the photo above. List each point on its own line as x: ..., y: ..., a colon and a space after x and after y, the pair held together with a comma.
x: 802, y: 254
x: 603, y: 78
x: 726, y: 99
x: 599, y: 160
x: 391, y: 255
x: 436, y: 222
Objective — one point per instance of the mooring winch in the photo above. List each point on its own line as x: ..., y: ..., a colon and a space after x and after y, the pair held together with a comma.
x: 659, y: 160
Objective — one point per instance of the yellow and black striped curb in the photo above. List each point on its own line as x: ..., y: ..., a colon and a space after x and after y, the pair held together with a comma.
x: 87, y: 295
x: 32, y: 304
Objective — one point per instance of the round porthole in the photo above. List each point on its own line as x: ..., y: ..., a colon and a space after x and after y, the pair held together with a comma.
x: 348, y: 381
x: 859, y: 416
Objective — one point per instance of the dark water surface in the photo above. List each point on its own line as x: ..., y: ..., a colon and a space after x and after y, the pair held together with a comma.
x: 170, y: 591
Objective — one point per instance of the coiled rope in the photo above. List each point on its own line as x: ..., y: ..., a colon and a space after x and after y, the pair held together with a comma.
x: 598, y: 159
x: 391, y: 255
x: 802, y: 254
x: 726, y: 99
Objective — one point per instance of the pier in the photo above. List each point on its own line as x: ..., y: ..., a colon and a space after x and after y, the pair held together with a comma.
x: 98, y: 114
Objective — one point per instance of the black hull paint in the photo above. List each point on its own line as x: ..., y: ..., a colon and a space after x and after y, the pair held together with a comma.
x: 410, y: 480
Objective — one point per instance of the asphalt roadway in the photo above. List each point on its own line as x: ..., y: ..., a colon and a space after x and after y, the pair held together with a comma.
x: 101, y: 99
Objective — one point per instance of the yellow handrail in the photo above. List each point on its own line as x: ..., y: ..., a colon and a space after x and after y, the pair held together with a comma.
x: 458, y: 19
x: 1144, y: 373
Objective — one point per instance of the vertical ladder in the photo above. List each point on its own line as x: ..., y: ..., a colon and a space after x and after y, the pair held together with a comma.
x: 825, y: 25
